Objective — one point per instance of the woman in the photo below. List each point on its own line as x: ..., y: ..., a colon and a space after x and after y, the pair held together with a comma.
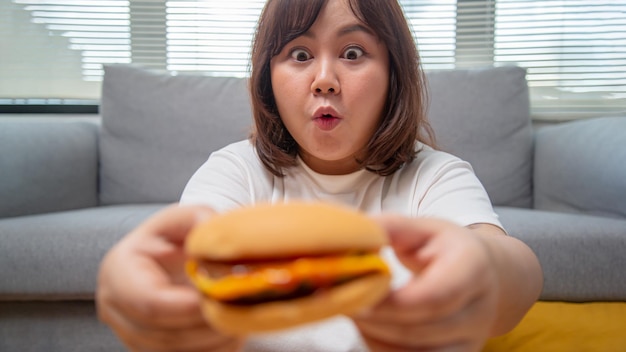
x: 338, y: 105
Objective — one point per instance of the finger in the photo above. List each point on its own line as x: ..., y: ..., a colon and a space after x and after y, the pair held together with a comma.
x: 453, y: 329
x: 417, y: 302
x: 407, y: 338
x: 164, y: 306
x: 412, y: 238
x: 145, y: 293
x: 161, y: 239
x: 375, y: 345
x: 183, y: 341
x: 192, y: 338
x: 145, y: 270
x: 425, y: 298
x: 175, y: 221
x: 470, y: 326
x: 175, y: 306
x: 412, y: 233
x: 433, y: 295
x: 443, y: 288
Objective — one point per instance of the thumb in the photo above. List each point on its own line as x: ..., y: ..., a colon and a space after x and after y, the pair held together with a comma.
x: 412, y: 239
x: 174, y: 222
x: 412, y: 233
x: 405, y: 232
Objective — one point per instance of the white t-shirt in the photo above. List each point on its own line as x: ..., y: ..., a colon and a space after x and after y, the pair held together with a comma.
x: 435, y: 184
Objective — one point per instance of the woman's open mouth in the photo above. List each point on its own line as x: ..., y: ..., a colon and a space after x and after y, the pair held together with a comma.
x: 326, y: 122
x: 326, y: 118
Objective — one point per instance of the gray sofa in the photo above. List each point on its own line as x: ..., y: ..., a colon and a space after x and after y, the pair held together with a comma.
x: 70, y: 188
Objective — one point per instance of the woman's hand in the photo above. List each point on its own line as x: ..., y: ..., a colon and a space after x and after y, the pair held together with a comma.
x: 457, y: 296
x: 142, y: 292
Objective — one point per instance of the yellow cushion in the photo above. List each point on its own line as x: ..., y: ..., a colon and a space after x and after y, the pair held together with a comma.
x: 564, y: 326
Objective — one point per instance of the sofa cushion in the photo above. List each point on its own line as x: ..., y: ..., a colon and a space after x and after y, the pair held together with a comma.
x: 564, y: 326
x: 47, y: 166
x: 582, y: 255
x: 59, y: 326
x: 482, y: 116
x: 158, y: 128
x: 56, y: 256
x: 580, y: 167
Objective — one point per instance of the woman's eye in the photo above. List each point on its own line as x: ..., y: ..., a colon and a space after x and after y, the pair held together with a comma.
x: 300, y: 55
x: 353, y: 53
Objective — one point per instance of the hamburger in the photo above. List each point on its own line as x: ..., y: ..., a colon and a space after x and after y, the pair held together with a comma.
x: 270, y: 267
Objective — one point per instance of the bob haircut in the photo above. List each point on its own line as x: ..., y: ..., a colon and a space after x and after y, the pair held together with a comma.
x: 393, y: 143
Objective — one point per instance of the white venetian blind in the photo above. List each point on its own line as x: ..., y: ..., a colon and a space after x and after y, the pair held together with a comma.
x: 54, y: 50
x: 574, y: 50
x: 434, y: 27
x: 211, y: 36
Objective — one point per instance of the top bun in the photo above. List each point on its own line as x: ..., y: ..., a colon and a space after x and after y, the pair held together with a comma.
x: 284, y: 230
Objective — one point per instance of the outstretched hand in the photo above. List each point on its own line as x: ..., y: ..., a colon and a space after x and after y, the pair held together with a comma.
x: 467, y: 285
x: 450, y: 303
x: 142, y: 292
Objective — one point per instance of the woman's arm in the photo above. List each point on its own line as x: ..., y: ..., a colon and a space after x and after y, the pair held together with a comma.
x: 468, y: 284
x: 518, y: 272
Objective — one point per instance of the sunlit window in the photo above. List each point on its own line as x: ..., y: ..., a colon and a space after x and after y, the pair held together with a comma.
x: 574, y: 51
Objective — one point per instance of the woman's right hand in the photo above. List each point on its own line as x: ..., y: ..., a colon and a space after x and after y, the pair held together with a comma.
x: 143, y: 294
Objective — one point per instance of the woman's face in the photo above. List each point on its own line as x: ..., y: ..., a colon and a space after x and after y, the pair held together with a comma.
x: 330, y: 86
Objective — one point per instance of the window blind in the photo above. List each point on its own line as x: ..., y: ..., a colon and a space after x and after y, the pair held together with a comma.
x: 434, y: 29
x: 211, y: 36
x: 53, y: 51
x: 574, y: 51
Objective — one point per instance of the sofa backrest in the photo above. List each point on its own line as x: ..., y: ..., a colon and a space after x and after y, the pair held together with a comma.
x: 580, y: 167
x: 483, y: 116
x: 158, y: 128
x: 47, y: 166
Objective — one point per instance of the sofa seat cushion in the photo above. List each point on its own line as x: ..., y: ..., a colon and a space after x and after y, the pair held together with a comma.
x: 564, y: 326
x: 60, y: 326
x: 582, y: 255
x: 57, y: 255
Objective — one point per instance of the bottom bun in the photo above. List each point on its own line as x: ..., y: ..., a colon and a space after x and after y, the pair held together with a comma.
x: 347, y: 298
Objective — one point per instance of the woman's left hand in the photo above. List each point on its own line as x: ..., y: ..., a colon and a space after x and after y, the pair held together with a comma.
x: 451, y: 301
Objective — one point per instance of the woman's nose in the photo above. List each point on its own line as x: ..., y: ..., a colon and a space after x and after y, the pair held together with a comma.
x: 326, y: 80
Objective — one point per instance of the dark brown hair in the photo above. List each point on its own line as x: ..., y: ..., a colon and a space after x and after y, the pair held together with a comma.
x: 393, y: 143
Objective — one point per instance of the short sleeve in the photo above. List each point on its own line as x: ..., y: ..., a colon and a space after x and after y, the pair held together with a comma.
x: 230, y: 178
x: 455, y: 193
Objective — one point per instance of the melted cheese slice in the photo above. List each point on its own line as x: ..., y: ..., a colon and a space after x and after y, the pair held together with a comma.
x: 317, y: 271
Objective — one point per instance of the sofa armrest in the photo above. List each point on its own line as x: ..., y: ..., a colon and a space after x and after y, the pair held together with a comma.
x: 47, y: 166
x: 582, y: 256
x: 580, y: 167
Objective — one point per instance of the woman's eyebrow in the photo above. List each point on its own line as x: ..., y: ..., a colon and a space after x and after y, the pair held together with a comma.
x: 356, y: 28
x: 351, y: 28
